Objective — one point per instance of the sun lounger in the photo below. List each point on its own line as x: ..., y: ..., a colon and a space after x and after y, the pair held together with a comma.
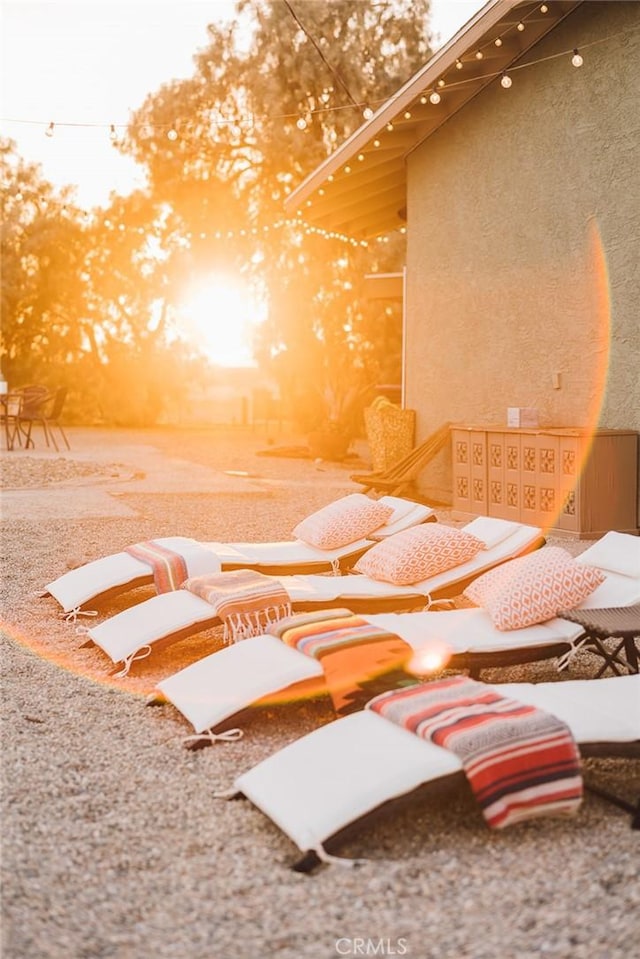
x: 214, y: 691
x: 400, y: 477
x: 318, y: 787
x: 171, y: 616
x: 109, y: 576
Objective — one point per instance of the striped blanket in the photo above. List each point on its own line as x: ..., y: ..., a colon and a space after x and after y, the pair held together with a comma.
x: 520, y: 761
x: 168, y: 567
x: 358, y: 659
x: 247, y: 602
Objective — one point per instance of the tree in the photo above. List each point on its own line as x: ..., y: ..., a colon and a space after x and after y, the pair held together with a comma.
x: 42, y: 251
x: 91, y: 300
x: 86, y: 298
x: 225, y: 147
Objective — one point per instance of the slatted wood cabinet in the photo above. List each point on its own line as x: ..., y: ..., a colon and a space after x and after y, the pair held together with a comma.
x: 566, y: 480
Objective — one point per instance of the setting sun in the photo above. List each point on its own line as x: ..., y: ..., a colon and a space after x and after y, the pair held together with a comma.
x: 219, y: 317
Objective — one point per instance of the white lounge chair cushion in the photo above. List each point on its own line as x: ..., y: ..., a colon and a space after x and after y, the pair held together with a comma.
x: 79, y: 585
x: 159, y: 617
x: 615, y: 552
x: 533, y: 588
x: 405, y: 514
x: 199, y: 689
x: 343, y: 521
x: 327, y: 779
x: 338, y: 773
x: 491, y: 530
x: 419, y: 553
x: 240, y: 675
x: 123, y: 635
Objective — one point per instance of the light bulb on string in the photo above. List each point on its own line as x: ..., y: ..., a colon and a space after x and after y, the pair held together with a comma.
x: 576, y: 59
x: 459, y: 64
x: 172, y: 134
x: 479, y: 54
x: 301, y: 123
x: 367, y: 113
x: 441, y: 83
x: 520, y: 26
x: 435, y: 98
x: 544, y: 8
x: 505, y: 81
x: 498, y: 41
x: 49, y: 131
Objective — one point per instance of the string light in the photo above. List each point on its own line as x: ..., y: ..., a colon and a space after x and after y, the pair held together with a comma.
x: 301, y: 123
x: 506, y: 81
x: 435, y: 98
x: 367, y: 113
x: 296, y: 223
x: 146, y: 130
x: 544, y: 8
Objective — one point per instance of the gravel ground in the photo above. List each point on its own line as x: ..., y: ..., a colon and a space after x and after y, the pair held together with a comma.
x: 113, y: 842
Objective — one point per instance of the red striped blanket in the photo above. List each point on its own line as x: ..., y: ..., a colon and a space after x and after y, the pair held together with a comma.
x: 247, y: 602
x: 354, y: 655
x: 168, y: 567
x: 520, y: 761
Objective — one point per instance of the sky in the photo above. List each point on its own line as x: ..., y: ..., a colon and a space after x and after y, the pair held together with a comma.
x: 58, y: 59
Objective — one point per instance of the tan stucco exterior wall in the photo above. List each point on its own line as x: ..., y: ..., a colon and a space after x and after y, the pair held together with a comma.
x: 523, y: 257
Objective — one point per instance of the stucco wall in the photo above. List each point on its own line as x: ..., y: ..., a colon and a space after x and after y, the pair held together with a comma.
x: 523, y: 255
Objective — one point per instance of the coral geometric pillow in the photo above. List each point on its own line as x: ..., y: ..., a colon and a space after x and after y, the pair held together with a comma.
x: 534, y: 588
x: 345, y: 521
x: 418, y: 553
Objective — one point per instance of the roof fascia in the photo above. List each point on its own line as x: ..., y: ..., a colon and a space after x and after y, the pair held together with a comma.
x: 469, y: 34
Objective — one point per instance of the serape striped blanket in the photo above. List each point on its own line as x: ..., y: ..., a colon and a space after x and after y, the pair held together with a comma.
x: 247, y: 602
x: 354, y: 655
x: 520, y: 761
x: 168, y: 567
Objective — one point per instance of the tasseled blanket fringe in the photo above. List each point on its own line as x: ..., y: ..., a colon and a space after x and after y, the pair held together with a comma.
x: 239, y: 626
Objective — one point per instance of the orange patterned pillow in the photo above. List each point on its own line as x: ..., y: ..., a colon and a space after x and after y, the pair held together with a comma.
x: 345, y: 521
x: 418, y: 553
x: 534, y: 588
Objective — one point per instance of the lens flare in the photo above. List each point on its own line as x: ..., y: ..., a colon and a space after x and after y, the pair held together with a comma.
x: 432, y: 659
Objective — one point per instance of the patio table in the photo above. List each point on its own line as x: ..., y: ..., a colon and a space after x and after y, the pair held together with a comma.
x: 620, y: 624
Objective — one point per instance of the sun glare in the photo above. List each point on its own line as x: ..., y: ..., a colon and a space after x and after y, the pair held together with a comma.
x: 219, y: 319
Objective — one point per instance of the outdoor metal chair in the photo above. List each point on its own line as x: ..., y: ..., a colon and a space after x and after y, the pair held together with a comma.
x: 41, y: 406
x: 10, y: 413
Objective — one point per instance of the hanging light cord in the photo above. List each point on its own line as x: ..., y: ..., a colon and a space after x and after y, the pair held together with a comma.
x: 331, y: 69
